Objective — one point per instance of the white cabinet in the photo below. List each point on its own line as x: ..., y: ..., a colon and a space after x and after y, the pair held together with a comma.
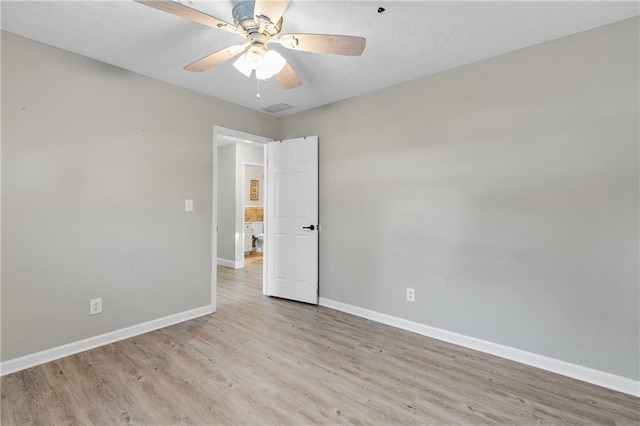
x: 248, y: 237
x: 251, y: 230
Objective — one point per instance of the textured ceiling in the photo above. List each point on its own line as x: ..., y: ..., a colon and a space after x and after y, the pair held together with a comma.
x: 407, y: 41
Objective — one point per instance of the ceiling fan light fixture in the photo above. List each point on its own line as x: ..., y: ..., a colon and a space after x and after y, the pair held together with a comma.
x: 254, y: 57
x: 273, y: 64
x: 243, y: 66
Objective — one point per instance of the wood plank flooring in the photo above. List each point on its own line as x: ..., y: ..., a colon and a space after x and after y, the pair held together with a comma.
x: 267, y: 361
x: 253, y: 257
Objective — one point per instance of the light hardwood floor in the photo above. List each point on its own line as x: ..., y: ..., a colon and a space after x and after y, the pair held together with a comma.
x: 253, y: 257
x: 266, y: 361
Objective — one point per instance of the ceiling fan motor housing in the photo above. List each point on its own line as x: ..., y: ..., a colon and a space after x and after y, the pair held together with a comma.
x: 243, y: 14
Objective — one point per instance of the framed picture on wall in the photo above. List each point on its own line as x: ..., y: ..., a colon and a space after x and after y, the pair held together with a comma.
x: 254, y: 191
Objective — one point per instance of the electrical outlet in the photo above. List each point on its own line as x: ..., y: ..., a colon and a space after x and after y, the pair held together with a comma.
x: 95, y: 306
x: 411, y: 294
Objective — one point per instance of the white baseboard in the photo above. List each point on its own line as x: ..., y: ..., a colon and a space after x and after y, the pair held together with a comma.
x: 575, y: 371
x: 230, y: 263
x: 28, y: 361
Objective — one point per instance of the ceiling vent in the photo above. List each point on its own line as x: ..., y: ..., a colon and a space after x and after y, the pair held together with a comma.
x: 277, y: 108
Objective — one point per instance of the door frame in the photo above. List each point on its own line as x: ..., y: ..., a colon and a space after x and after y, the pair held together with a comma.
x: 242, y: 136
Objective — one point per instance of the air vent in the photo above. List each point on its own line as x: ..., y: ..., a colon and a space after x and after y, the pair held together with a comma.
x: 277, y: 108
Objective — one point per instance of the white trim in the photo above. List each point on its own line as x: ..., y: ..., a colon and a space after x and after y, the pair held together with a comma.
x: 265, y: 222
x: 230, y: 263
x: 575, y: 371
x: 214, y: 218
x: 28, y: 361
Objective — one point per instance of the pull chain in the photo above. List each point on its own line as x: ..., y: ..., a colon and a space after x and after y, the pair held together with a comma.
x: 258, y: 95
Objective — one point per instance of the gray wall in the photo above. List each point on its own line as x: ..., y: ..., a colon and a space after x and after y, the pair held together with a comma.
x: 252, y: 153
x: 227, y: 193
x: 96, y: 165
x: 505, y: 192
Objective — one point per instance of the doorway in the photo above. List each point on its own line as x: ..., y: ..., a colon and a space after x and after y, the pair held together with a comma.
x: 254, y: 208
x: 233, y: 151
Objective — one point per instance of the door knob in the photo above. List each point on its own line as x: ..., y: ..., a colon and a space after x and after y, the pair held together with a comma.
x: 311, y: 228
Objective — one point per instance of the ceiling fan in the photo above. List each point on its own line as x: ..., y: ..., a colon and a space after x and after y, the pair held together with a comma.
x: 259, y: 22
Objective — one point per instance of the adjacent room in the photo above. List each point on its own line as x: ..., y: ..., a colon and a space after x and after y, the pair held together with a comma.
x: 320, y: 212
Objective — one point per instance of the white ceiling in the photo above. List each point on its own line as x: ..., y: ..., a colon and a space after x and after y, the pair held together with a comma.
x: 407, y: 41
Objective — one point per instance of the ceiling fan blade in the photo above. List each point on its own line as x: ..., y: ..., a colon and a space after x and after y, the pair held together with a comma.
x: 183, y: 11
x: 214, y: 59
x: 272, y: 9
x: 325, y: 43
x: 288, y: 78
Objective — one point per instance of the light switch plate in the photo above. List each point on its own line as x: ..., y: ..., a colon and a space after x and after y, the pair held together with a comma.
x: 188, y: 205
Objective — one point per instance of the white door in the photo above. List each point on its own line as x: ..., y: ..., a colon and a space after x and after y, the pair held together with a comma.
x: 292, y: 219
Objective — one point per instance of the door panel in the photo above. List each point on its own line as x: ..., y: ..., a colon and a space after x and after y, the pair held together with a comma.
x: 292, y: 204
